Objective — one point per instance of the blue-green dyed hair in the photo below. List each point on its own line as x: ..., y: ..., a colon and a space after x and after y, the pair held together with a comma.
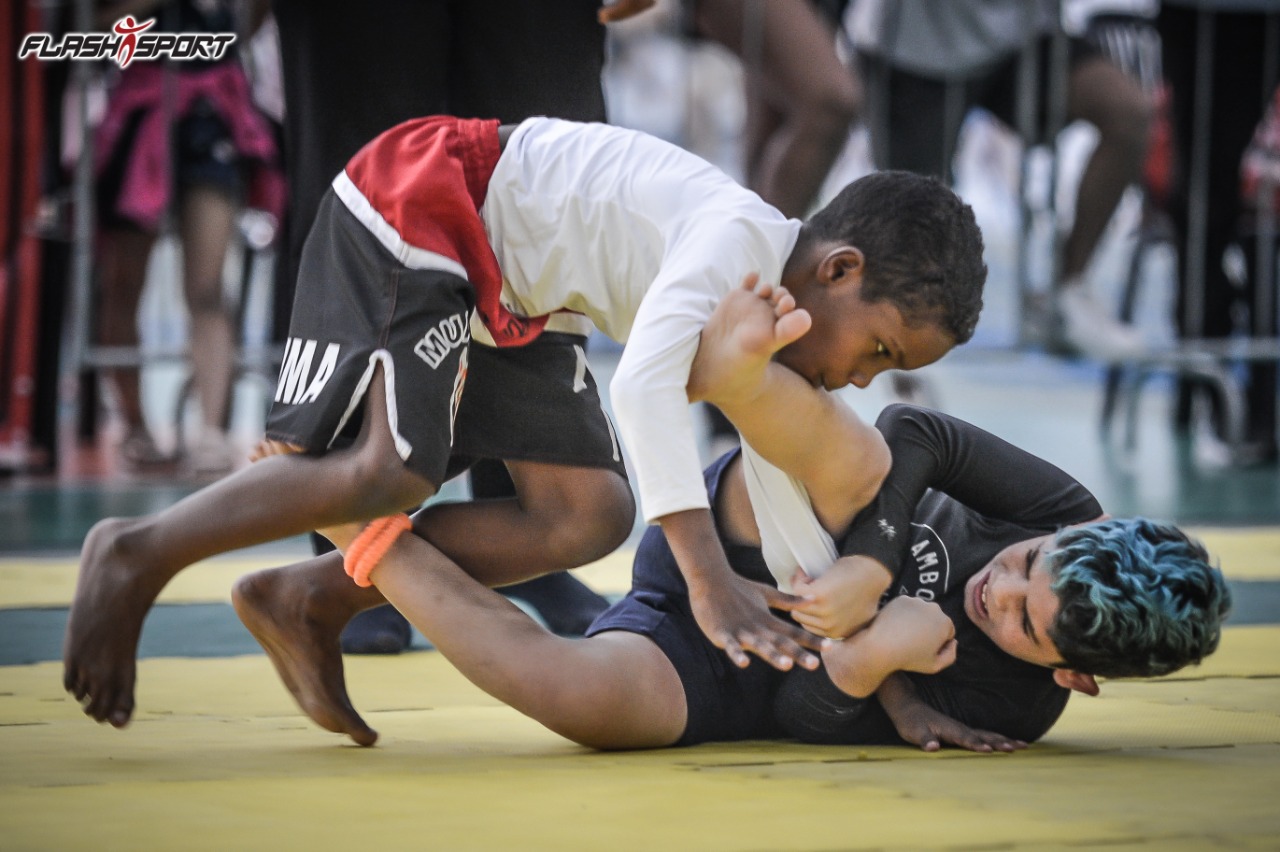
x: 1137, y: 598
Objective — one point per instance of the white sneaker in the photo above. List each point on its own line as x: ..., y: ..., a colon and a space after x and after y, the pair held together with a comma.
x: 139, y: 451
x: 1091, y: 331
x: 212, y: 454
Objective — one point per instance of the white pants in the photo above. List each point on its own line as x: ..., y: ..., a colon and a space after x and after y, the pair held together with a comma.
x: 790, y: 534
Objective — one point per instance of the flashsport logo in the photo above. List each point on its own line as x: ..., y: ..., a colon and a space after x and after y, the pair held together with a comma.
x: 130, y: 42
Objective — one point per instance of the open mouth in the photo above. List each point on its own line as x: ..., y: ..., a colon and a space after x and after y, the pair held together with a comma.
x: 980, y: 596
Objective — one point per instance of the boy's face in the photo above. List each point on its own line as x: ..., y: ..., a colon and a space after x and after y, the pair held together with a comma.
x: 853, y: 341
x: 1011, y: 601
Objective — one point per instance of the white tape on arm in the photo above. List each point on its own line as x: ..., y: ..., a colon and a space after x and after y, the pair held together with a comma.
x: 790, y: 534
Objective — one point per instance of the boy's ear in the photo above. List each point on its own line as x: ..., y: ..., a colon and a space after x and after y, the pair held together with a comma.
x: 1075, y: 680
x: 842, y: 265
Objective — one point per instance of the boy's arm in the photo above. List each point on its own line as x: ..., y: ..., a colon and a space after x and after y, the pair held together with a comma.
x: 995, y: 700
x: 650, y: 398
x: 732, y: 611
x: 909, y: 634
x: 933, y: 450
x: 795, y: 438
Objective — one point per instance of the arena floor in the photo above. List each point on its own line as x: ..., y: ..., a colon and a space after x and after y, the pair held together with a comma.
x: 219, y: 757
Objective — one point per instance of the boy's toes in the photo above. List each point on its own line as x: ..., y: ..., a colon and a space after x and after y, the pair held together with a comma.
x: 791, y: 327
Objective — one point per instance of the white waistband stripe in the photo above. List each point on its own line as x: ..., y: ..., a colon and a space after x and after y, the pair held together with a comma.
x: 410, y: 255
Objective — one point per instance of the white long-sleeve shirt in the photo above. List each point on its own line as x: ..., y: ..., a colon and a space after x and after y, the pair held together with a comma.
x: 643, y: 239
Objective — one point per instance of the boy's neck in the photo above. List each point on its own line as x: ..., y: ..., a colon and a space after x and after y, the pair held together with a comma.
x: 798, y: 268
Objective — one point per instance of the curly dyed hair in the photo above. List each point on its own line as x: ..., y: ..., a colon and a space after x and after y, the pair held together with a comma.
x: 1137, y: 598
x: 921, y: 243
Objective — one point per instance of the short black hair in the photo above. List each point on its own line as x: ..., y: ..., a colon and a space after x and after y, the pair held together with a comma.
x: 922, y: 246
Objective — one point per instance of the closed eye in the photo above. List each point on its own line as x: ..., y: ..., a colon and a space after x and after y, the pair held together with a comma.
x: 1027, y: 627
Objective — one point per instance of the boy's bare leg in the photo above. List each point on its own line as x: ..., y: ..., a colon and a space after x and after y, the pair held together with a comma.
x: 616, y: 690
x: 562, y: 517
x: 839, y: 459
x: 126, y: 562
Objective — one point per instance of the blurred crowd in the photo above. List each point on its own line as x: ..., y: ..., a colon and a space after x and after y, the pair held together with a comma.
x: 223, y: 161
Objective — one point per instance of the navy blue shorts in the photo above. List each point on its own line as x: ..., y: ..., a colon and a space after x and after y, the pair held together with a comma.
x: 725, y: 702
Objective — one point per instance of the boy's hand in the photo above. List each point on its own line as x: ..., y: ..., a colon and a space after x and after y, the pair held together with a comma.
x: 929, y: 729
x: 732, y: 611
x: 922, y: 725
x: 915, y: 635
x: 844, y: 599
x: 735, y: 616
x: 908, y: 634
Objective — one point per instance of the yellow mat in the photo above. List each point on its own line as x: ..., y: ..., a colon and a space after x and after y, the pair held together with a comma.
x: 219, y: 758
x: 50, y: 582
x: 1243, y: 554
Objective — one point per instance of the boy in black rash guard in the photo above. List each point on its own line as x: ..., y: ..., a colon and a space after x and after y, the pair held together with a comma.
x: 1040, y: 606
x: 648, y: 677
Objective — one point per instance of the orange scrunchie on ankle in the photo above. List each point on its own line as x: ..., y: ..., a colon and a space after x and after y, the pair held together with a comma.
x: 372, y: 544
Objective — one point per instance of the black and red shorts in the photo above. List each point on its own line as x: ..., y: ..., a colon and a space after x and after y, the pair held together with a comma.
x: 358, y: 306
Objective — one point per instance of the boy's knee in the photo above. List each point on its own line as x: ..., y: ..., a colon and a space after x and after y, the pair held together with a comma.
x: 384, y: 485
x: 590, y: 520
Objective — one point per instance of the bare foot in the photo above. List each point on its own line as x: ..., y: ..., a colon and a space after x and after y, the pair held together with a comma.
x: 740, y: 338
x: 300, y: 635
x: 115, y: 589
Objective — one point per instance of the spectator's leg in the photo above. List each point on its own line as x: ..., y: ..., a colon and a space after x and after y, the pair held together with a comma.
x: 1100, y: 93
x: 123, y: 257
x: 208, y: 223
x: 800, y: 76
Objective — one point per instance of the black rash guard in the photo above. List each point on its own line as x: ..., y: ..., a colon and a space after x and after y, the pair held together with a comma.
x: 954, y: 498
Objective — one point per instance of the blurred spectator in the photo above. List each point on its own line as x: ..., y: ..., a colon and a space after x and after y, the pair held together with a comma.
x: 801, y: 100
x: 801, y: 97
x: 926, y: 64
x: 181, y: 139
x: 1217, y: 298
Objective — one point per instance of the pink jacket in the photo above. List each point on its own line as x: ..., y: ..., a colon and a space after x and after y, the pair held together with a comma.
x: 144, y: 193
